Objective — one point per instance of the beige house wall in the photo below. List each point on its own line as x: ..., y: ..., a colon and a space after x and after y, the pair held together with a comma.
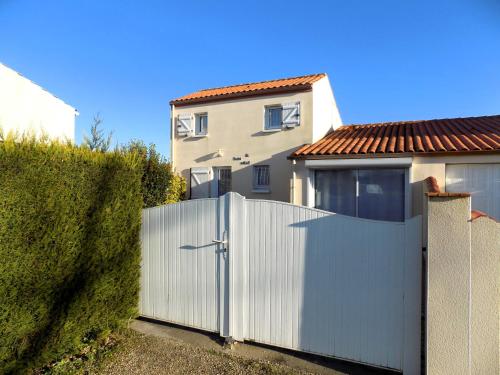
x: 462, y: 334
x: 299, y: 183
x: 236, y: 129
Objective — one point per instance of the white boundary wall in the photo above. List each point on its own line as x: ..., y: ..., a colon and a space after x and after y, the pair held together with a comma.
x: 462, y: 333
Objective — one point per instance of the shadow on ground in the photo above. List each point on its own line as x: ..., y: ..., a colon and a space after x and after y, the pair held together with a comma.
x: 249, y: 350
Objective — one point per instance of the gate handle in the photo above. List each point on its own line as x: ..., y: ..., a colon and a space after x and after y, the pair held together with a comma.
x: 220, y: 241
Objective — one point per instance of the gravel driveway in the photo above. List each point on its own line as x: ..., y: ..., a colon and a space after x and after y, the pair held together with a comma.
x: 141, y: 354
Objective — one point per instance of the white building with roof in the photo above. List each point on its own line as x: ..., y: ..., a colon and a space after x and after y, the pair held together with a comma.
x: 25, y: 107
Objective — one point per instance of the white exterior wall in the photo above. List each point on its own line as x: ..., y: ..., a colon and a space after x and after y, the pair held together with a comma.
x: 326, y: 115
x: 26, y: 107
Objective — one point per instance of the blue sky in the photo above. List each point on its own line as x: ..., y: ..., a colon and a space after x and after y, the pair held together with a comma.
x: 387, y: 60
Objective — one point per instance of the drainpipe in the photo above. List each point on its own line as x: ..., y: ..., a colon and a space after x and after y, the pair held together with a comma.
x: 172, y: 109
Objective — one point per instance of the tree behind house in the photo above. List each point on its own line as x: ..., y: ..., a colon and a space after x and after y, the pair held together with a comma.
x: 98, y: 140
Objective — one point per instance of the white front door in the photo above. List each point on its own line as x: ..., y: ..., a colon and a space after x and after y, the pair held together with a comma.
x: 481, y: 180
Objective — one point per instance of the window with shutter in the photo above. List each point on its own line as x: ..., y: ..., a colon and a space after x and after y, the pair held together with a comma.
x: 278, y: 116
x: 201, y: 124
x: 291, y: 115
x: 184, y: 125
x: 273, y: 118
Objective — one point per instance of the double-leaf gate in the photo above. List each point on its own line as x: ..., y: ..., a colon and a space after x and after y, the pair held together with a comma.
x: 286, y: 275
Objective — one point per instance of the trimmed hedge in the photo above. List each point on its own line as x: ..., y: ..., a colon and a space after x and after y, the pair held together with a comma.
x: 69, y: 248
x: 160, y: 185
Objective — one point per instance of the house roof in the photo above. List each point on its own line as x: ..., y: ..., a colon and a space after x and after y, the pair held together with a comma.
x: 440, y: 136
x: 250, y: 89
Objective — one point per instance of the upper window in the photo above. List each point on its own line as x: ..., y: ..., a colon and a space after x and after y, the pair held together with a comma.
x: 279, y: 116
x: 274, y: 117
x: 261, y: 179
x: 201, y: 124
x: 377, y: 194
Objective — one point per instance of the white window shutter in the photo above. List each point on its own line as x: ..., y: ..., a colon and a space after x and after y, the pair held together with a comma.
x: 200, y: 182
x: 185, y: 125
x: 291, y: 114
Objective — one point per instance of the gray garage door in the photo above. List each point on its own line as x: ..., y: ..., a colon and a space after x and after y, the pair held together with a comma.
x: 481, y: 180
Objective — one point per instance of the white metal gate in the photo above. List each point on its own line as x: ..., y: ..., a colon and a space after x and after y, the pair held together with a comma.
x: 288, y: 276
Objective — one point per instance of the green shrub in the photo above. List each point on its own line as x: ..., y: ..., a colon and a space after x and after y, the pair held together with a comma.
x: 176, y: 189
x: 69, y: 248
x: 160, y: 184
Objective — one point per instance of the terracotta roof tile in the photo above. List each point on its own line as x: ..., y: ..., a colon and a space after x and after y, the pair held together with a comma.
x: 250, y: 89
x: 433, y: 190
x: 476, y: 214
x: 468, y: 134
x: 432, y: 185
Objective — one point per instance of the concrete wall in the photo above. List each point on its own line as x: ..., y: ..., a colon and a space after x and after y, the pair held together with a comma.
x: 237, y: 128
x: 25, y: 107
x: 462, y: 335
x: 485, y: 235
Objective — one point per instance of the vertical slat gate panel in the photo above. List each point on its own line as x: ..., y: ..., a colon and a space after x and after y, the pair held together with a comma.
x: 179, y: 282
x: 293, y: 277
x: 326, y: 283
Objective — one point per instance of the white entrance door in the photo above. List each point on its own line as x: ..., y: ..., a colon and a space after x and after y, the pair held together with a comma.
x: 481, y: 180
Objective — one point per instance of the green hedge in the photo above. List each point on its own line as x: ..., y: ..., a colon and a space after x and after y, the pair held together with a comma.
x: 69, y: 248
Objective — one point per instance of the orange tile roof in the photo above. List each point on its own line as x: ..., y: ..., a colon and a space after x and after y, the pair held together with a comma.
x: 470, y: 134
x: 250, y: 89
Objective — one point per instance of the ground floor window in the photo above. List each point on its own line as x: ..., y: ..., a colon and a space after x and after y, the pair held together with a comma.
x: 377, y: 194
x: 261, y: 178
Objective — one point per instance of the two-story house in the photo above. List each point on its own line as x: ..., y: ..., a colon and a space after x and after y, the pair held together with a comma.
x: 237, y: 138
x: 25, y: 107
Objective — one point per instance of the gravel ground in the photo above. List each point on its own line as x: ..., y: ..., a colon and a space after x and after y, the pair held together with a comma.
x: 140, y: 354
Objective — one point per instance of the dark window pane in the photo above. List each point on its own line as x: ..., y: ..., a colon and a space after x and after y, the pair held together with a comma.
x: 336, y: 191
x: 274, y: 118
x: 224, y: 183
x: 381, y: 194
x: 201, y: 124
x: 261, y: 177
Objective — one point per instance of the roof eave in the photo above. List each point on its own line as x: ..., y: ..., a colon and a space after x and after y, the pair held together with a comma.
x: 242, y: 95
x: 390, y: 155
